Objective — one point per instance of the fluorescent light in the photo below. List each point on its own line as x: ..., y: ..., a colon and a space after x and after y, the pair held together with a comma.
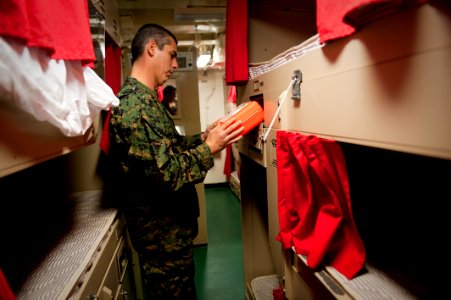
x: 218, y: 54
x: 202, y: 60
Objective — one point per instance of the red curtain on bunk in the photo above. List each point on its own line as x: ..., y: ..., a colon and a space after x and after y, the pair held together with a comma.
x: 113, y: 64
x: 340, y: 18
x: 113, y: 75
x: 236, y: 43
x: 314, y: 203
x: 61, y: 27
x: 5, y: 290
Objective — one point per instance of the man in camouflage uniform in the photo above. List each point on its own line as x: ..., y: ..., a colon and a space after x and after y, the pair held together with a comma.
x: 158, y: 168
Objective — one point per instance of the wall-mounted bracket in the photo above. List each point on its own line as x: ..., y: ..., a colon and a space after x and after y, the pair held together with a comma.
x: 296, y: 89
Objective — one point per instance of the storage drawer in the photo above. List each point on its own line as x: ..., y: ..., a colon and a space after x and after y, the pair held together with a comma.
x: 100, y: 266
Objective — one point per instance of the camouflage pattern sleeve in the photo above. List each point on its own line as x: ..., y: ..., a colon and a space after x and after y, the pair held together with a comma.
x: 145, y: 141
x: 191, y: 140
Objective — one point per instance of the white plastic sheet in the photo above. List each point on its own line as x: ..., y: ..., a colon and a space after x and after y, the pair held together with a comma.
x: 61, y: 92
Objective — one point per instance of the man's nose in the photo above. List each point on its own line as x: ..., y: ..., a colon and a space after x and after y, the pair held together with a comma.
x: 175, y: 64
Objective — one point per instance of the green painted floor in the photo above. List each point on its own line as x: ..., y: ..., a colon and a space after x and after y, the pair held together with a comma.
x: 219, y: 265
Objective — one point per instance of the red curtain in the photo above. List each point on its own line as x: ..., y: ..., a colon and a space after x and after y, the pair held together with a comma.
x: 314, y: 203
x: 236, y: 43
x: 5, y: 290
x: 337, y: 19
x: 113, y: 65
x: 61, y: 27
x: 113, y: 77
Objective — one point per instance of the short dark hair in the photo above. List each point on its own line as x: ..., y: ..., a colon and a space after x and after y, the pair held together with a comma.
x: 148, y: 32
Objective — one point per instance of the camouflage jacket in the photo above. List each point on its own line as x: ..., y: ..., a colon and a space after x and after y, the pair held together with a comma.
x: 156, y: 163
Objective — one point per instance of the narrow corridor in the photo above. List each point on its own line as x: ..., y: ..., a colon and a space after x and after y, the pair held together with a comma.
x: 219, y: 265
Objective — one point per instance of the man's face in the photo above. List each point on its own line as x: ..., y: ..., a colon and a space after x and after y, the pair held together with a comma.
x: 167, y: 62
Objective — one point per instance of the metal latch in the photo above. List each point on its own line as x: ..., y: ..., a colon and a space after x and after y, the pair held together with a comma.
x: 296, y: 89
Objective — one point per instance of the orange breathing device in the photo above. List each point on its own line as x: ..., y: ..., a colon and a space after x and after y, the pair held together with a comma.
x: 250, y: 113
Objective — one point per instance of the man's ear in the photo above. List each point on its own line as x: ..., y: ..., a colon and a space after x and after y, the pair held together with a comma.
x: 150, y: 47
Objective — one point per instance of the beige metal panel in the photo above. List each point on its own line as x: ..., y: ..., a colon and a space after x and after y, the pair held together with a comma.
x: 256, y: 252
x: 273, y: 213
x: 357, y: 106
x: 110, y: 285
x: 202, y: 236
x: 271, y: 21
x: 246, y: 146
x: 94, y: 275
x: 109, y: 10
x: 254, y: 220
x: 25, y: 141
x: 381, y: 106
x: 136, y: 269
x: 385, y: 86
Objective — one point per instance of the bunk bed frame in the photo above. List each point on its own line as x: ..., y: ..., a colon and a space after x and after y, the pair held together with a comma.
x: 385, y: 87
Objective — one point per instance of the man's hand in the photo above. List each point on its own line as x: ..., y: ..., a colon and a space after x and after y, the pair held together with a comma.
x: 220, y: 135
x: 204, y: 134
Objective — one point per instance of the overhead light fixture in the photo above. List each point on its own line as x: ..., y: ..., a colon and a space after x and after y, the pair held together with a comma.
x: 185, y: 43
x: 202, y: 60
x: 204, y: 56
x: 218, y: 55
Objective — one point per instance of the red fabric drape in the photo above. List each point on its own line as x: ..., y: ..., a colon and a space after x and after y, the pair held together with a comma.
x: 61, y: 27
x: 340, y: 18
x: 5, y: 290
x: 236, y: 42
x: 232, y: 94
x: 113, y: 66
x: 314, y: 203
x: 228, y: 163
x: 160, y: 93
x: 113, y: 75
